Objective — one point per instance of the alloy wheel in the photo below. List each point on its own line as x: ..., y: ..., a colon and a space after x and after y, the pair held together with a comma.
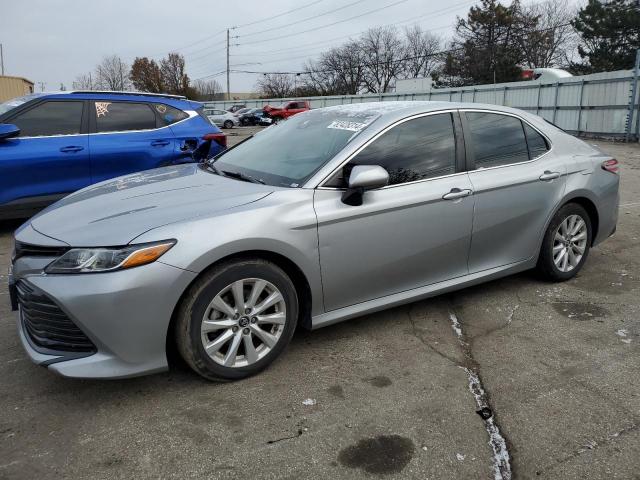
x: 243, y: 322
x: 569, y: 243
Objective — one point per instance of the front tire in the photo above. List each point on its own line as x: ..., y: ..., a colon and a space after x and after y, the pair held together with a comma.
x: 566, y: 243
x: 237, y: 319
x: 227, y: 124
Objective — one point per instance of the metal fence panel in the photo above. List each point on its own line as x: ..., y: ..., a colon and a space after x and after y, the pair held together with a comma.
x: 596, y: 104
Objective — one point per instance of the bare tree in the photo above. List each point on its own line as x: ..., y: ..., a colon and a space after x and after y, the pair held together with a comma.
x: 421, y: 53
x: 551, y: 41
x: 174, y: 78
x: 275, y: 85
x: 84, y: 82
x: 382, y: 54
x: 337, y: 72
x: 206, y: 90
x: 112, y: 74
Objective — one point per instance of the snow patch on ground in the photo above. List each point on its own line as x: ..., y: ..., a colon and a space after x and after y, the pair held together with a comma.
x: 501, y: 462
x: 623, y: 333
x: 309, y: 402
x: 455, y: 324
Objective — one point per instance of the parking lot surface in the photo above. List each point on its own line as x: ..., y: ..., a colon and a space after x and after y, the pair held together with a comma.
x: 385, y: 395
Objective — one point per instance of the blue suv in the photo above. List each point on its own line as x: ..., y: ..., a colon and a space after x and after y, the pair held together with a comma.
x: 55, y: 143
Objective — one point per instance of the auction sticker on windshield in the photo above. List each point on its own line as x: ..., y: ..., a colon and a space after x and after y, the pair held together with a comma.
x: 346, y: 125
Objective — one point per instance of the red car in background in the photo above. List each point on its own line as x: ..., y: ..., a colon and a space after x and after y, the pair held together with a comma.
x: 286, y: 110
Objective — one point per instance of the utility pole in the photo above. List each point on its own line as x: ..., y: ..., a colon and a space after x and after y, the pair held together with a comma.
x: 42, y: 85
x: 228, y: 83
x: 1, y: 61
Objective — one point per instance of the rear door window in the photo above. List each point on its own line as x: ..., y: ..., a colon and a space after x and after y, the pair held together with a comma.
x: 496, y: 139
x: 50, y: 118
x: 124, y: 116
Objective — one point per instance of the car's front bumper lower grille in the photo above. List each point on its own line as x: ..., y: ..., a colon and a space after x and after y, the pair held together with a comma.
x: 46, y: 325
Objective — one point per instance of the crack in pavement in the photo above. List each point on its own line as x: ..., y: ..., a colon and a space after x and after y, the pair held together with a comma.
x: 417, y: 333
x: 291, y: 437
x: 501, y: 459
x: 592, y: 445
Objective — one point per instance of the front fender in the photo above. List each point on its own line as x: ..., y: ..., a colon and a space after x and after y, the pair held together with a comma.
x: 288, y: 229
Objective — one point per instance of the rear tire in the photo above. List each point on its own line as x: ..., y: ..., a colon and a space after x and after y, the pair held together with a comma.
x: 566, y: 244
x: 277, y: 119
x: 222, y: 341
x: 227, y: 124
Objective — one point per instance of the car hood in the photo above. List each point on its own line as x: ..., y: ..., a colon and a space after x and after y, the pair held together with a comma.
x: 114, y: 212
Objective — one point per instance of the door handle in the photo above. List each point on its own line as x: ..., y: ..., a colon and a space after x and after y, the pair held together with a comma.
x: 159, y: 143
x: 456, y: 193
x: 547, y: 175
x: 71, y: 149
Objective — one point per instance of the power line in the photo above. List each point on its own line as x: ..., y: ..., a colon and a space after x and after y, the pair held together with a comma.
x: 303, y: 19
x: 434, y: 14
x: 217, y: 74
x: 278, y: 15
x: 307, y: 55
x: 327, y: 25
x: 403, y: 59
x: 189, y: 45
x: 206, y: 49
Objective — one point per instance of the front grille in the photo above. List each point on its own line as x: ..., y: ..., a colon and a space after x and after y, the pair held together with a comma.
x: 28, y: 250
x: 46, y: 324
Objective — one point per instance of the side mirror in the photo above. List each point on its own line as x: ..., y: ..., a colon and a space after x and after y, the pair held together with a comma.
x: 8, y: 130
x: 362, y: 178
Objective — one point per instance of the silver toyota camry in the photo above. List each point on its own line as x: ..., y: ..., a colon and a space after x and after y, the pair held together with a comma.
x: 333, y: 214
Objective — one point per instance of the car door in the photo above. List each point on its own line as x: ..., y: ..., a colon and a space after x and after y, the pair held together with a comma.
x: 414, y: 232
x: 127, y: 137
x: 293, y: 108
x: 50, y: 157
x: 217, y: 116
x: 517, y: 183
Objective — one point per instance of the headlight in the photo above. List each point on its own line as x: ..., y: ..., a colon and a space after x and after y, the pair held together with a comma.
x: 91, y: 260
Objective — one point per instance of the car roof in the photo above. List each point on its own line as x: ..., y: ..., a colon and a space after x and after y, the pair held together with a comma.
x: 173, y: 100
x: 394, y: 110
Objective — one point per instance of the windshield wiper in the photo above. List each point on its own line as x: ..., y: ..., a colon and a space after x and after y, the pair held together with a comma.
x: 212, y: 167
x: 242, y: 176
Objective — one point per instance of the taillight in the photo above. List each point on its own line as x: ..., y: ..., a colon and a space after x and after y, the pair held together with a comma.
x: 611, y: 166
x: 219, y: 138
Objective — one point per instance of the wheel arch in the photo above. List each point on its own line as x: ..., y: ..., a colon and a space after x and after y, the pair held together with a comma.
x: 298, y: 277
x: 585, y: 200
x: 592, y: 211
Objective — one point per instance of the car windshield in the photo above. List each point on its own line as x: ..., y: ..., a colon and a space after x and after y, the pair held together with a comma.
x: 16, y: 102
x: 289, y: 153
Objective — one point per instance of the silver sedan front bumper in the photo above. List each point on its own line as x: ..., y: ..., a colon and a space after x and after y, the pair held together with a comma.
x: 125, y: 314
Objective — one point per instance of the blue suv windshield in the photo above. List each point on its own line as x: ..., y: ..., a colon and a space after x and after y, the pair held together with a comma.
x: 16, y: 102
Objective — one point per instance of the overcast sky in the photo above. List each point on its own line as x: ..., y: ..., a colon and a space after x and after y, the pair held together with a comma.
x: 53, y: 41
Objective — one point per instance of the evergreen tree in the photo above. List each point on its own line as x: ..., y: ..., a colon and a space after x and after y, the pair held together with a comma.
x: 610, y: 35
x: 486, y: 47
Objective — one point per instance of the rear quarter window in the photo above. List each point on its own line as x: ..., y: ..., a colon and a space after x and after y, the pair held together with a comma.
x: 536, y: 142
x: 169, y: 115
